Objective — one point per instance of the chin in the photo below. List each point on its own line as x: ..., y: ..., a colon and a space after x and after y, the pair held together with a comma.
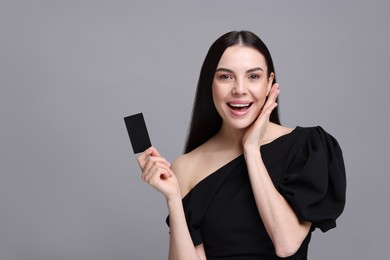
x: 240, y: 123
x: 237, y: 122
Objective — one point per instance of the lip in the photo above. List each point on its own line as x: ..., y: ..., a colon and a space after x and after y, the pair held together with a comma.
x: 239, y: 113
x: 240, y: 102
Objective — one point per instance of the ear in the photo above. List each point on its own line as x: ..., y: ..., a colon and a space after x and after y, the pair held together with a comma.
x: 269, y: 84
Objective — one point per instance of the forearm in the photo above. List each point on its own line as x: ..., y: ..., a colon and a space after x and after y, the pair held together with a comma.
x: 180, y: 245
x: 280, y: 221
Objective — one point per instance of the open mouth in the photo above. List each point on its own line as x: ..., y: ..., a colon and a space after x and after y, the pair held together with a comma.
x: 239, y: 107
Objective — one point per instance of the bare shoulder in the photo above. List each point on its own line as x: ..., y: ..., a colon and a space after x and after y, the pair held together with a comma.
x: 179, y: 165
x: 193, y: 167
x: 184, y: 168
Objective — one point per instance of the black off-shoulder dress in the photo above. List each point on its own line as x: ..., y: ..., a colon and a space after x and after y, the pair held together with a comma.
x: 307, y: 168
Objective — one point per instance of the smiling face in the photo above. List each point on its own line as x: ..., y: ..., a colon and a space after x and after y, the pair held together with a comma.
x: 240, y: 86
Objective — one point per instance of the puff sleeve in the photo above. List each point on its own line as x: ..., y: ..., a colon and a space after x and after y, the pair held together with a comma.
x: 314, y: 183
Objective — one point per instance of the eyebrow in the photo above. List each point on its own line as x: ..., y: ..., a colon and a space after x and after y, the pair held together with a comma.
x: 248, y: 71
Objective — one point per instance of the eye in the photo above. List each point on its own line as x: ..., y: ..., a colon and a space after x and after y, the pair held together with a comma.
x: 225, y: 77
x: 254, y: 76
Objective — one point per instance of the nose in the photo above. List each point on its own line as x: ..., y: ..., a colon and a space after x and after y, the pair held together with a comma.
x: 239, y: 88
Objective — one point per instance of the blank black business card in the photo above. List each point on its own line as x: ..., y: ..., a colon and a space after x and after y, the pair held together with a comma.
x: 138, y: 133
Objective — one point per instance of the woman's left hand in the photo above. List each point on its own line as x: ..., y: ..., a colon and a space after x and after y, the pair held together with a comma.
x: 254, y: 134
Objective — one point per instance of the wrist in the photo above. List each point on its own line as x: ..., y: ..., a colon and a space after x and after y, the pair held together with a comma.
x: 251, y: 150
x: 252, y: 153
x: 173, y: 199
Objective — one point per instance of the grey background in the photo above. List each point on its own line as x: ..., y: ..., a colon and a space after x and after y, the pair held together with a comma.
x: 70, y: 187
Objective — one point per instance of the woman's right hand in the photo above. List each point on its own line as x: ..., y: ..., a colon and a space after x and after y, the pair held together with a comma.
x: 156, y: 172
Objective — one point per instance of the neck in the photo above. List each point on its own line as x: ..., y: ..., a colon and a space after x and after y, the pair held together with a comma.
x: 230, y: 138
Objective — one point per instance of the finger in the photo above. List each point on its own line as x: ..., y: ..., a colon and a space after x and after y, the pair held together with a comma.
x: 155, y: 155
x: 275, y: 86
x: 151, y: 167
x: 153, y: 175
x: 267, y: 111
x: 152, y: 160
x: 149, y: 170
x: 150, y: 155
x: 276, y: 92
x: 158, y: 170
x: 270, y: 109
x: 165, y: 175
x: 161, y: 159
x: 271, y: 99
x: 154, y: 152
x: 157, y: 177
x: 273, y: 94
x: 142, y: 159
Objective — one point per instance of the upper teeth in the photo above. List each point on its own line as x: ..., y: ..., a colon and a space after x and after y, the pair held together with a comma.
x: 239, y: 105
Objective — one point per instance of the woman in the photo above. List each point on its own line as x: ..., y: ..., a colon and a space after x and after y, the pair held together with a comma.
x: 246, y: 187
